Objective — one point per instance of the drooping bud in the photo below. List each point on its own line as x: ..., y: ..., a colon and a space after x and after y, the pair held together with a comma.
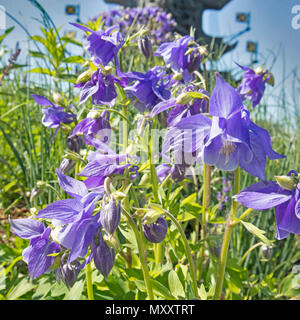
x: 156, y: 231
x: 74, y: 143
x: 151, y: 217
x: 39, y: 188
x: 110, y: 214
x: 178, y: 76
x: 66, y: 165
x: 178, y: 172
x: 266, y: 251
x: 184, y: 98
x: 58, y: 99
x: 193, y: 61
x: 85, y: 76
x: 287, y: 182
x: 145, y: 46
x: 104, y: 257
x: 67, y: 273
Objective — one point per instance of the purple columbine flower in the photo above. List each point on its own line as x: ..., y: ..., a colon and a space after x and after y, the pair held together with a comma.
x: 96, y: 132
x: 103, y: 46
x: 266, y: 195
x: 40, y: 246
x: 230, y: 139
x: 101, y: 166
x: 180, y: 108
x: 156, y: 232
x: 110, y: 214
x: 101, y: 87
x: 147, y: 89
x: 54, y: 115
x: 67, y: 273
x: 145, y: 46
x: 103, y: 255
x: 74, y: 219
x: 252, y: 86
x: 174, y: 55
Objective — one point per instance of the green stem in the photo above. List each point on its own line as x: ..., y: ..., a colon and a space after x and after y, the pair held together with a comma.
x: 125, y: 129
x: 226, y: 239
x: 158, y: 252
x: 154, y: 180
x: 126, y: 200
x: 89, y: 282
x: 142, y: 254
x: 187, y: 251
x: 205, y: 205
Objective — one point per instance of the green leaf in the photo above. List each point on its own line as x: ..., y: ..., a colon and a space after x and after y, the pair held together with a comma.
x: 37, y: 54
x: 6, y: 33
x: 20, y: 289
x: 202, y: 292
x: 74, y: 59
x: 161, y: 290
x: 175, y: 285
x: 42, y: 290
x: 72, y: 40
x: 257, y: 232
x: 190, y: 199
x: 76, y: 291
x: 42, y: 70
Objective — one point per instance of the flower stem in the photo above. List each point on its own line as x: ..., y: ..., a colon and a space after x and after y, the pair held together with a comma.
x: 89, y: 282
x: 154, y: 180
x: 226, y: 239
x: 187, y: 251
x: 205, y: 205
x: 125, y: 146
x: 142, y: 254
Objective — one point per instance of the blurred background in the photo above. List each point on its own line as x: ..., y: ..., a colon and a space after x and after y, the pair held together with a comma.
x: 265, y: 28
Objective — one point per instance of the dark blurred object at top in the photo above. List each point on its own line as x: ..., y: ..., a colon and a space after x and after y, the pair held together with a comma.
x: 186, y: 13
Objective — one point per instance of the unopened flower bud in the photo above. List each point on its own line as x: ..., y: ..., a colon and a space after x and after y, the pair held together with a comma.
x: 110, y: 214
x: 39, y: 188
x: 104, y: 257
x: 85, y: 76
x: 145, y: 46
x: 112, y: 242
x: 67, y: 272
x: 178, y: 76
x: 58, y: 99
x: 266, y: 251
x: 184, y: 98
x: 156, y: 231
x: 94, y: 114
x: 287, y: 182
x: 177, y: 172
x: 151, y: 217
x: 66, y: 165
x: 75, y: 143
x: 193, y: 61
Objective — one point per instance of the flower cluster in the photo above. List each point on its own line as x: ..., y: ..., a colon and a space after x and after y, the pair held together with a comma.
x: 215, y: 129
x: 155, y: 19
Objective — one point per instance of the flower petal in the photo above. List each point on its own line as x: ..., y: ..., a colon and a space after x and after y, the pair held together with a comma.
x: 64, y: 210
x: 42, y: 100
x: 73, y: 187
x: 27, y: 228
x: 262, y: 196
x: 224, y: 99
